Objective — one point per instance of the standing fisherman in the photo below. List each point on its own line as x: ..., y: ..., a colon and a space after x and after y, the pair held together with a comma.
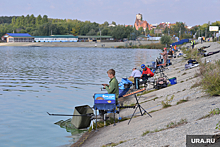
x: 164, y: 57
x: 192, y: 43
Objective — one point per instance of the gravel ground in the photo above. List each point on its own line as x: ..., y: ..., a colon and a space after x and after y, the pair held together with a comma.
x: 199, y: 105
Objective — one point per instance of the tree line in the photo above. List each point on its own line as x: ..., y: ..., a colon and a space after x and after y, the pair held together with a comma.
x: 44, y: 26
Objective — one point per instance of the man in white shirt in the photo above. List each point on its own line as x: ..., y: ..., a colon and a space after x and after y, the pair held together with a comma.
x: 136, y: 74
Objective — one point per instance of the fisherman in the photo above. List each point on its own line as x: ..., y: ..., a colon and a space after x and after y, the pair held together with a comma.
x: 136, y: 74
x: 164, y: 57
x: 146, y: 72
x: 203, y: 38
x: 112, y: 88
x: 170, y: 53
x: 175, y: 47
x: 192, y: 43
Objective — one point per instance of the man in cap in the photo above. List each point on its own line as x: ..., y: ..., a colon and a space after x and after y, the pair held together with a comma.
x: 146, y: 72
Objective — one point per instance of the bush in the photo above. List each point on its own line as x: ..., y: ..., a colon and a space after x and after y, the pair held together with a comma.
x: 165, y: 40
x: 190, y: 53
x: 147, y: 46
x: 210, y: 81
x: 187, y: 36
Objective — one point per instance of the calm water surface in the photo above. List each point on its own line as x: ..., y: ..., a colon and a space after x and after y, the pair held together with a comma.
x: 36, y: 80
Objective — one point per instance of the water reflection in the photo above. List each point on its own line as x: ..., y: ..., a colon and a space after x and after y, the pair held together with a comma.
x: 36, y: 80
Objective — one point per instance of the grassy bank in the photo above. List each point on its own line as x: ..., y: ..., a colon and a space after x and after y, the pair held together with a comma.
x: 147, y: 46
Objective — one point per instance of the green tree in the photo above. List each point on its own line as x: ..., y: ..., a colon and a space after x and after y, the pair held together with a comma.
x: 152, y: 31
x: 32, y: 20
x: 166, y: 40
x: 114, y: 23
x: 141, y: 30
x: 13, y: 21
x: 91, y: 33
x: 27, y: 20
x: 45, y: 19
x: 39, y: 20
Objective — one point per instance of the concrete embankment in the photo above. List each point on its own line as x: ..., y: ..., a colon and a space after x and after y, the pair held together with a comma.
x: 76, y: 44
x: 198, y: 105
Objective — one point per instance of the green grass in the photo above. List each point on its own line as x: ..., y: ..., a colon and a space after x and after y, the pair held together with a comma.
x: 210, y: 77
x: 168, y: 126
x: 146, y: 132
x: 114, y: 144
x: 146, y: 92
x: 184, y: 73
x: 190, y: 53
x: 176, y: 124
x: 213, y: 112
x: 181, y: 81
x: 149, y: 100
x: 167, y: 102
x: 100, y: 124
x: 182, y: 101
x: 154, y: 111
x: 147, y: 46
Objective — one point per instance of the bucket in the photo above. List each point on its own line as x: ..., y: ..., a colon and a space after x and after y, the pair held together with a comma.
x: 173, y: 81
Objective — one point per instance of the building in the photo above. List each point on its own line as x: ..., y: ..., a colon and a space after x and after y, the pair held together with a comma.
x: 95, y: 39
x: 17, y: 37
x: 140, y: 23
x: 128, y: 25
x: 56, y: 38
x: 111, y: 25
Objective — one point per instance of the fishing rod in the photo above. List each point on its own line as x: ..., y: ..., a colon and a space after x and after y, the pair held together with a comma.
x: 56, y: 82
x: 91, y: 114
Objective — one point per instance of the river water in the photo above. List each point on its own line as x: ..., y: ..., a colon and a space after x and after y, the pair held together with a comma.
x: 36, y: 80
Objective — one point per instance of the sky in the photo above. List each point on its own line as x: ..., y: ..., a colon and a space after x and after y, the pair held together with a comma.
x: 192, y: 12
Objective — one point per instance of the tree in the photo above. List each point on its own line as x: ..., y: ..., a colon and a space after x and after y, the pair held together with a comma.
x: 114, y: 23
x: 32, y: 19
x: 27, y: 20
x: 166, y: 40
x: 45, y: 19
x: 106, y: 32
x: 39, y: 20
x: 91, y: 33
x: 13, y: 21
x: 152, y: 31
x: 117, y: 33
x: 141, y: 30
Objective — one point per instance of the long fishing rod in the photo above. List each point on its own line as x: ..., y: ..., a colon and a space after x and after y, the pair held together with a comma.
x: 56, y: 82
x: 70, y: 115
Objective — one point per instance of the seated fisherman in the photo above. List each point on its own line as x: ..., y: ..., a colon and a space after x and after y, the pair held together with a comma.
x: 146, y: 72
x: 170, y: 54
x: 112, y: 88
x: 136, y: 74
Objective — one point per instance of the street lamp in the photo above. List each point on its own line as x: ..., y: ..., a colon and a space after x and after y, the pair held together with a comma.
x: 100, y: 35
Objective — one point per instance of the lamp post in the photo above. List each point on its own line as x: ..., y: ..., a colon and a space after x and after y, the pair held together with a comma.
x: 100, y: 35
